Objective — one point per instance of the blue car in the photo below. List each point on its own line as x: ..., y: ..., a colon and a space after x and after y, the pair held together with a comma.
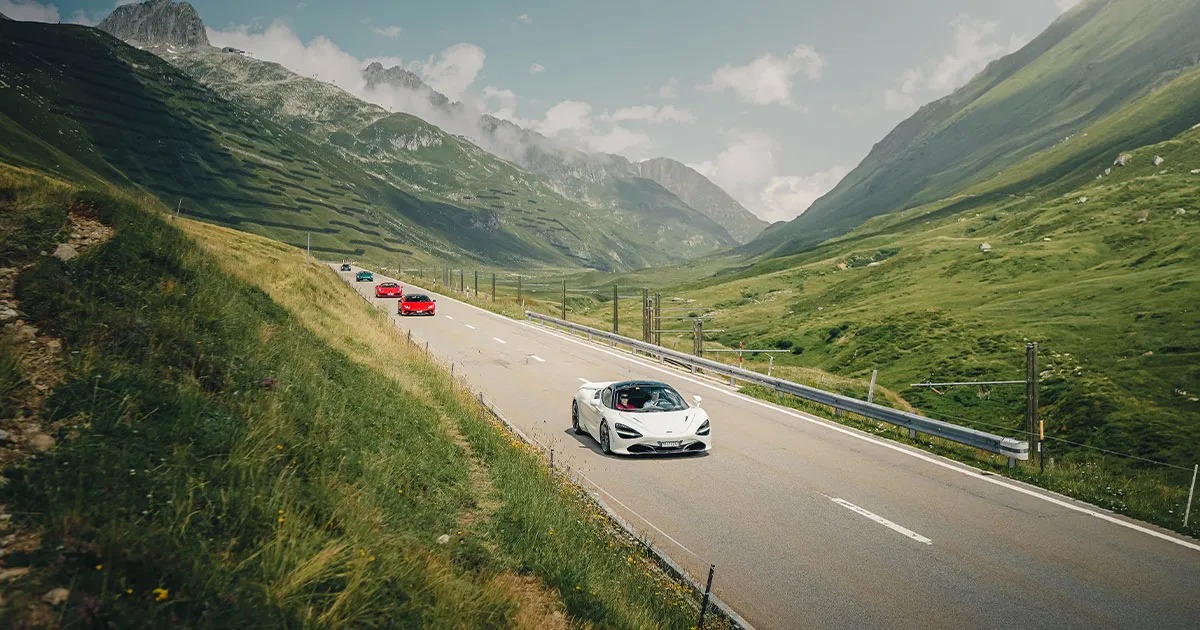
x: 364, y: 276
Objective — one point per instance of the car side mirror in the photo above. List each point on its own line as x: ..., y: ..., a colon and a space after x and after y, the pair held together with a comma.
x: 696, y: 401
x: 435, y: 300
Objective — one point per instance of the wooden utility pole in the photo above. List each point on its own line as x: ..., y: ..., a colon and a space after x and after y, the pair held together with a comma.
x: 698, y: 337
x: 461, y: 287
x: 564, y: 300
x: 1031, y: 392
x: 616, y: 327
x: 493, y: 286
x: 646, y: 315
x: 519, y: 290
x: 477, y: 283
x: 657, y: 323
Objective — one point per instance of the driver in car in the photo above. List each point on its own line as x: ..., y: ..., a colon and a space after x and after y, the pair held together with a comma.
x: 623, y: 402
x: 653, y: 401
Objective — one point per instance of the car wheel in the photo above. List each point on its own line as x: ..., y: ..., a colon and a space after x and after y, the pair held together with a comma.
x: 575, y: 418
x: 605, y: 439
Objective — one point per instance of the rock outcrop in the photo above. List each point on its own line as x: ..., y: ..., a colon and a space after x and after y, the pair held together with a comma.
x: 157, y: 22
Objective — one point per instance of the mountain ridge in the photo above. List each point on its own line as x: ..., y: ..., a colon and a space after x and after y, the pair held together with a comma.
x: 1020, y: 104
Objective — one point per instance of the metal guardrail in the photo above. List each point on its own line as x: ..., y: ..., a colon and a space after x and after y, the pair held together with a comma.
x: 1011, y: 448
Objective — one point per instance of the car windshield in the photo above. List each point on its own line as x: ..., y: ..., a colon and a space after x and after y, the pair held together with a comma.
x: 649, y: 397
x: 389, y: 285
x: 416, y: 298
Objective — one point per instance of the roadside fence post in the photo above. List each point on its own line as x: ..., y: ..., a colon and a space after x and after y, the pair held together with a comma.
x: 307, y: 250
x: 476, y: 283
x: 551, y: 459
x: 1041, y: 446
x: 646, y: 315
x: 427, y: 348
x: 1188, y: 511
x: 452, y: 371
x: 707, y: 591
x: 771, y: 364
x: 410, y: 337
x: 482, y: 408
x: 871, y: 391
x: 564, y: 300
x: 493, y: 286
x: 461, y: 286
x: 519, y: 298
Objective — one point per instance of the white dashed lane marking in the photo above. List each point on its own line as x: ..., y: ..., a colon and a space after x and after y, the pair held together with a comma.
x: 469, y: 326
x: 448, y: 317
x: 882, y: 521
x: 499, y: 339
x: 537, y: 358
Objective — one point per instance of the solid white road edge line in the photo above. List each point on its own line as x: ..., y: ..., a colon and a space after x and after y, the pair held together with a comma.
x: 970, y: 472
x: 631, y: 511
x: 879, y: 519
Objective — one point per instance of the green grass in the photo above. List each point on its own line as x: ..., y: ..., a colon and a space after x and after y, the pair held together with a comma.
x: 268, y: 463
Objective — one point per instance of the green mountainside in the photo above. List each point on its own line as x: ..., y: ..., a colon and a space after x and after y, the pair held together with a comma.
x: 706, y: 197
x: 650, y: 228
x: 1097, y: 264
x: 1093, y: 60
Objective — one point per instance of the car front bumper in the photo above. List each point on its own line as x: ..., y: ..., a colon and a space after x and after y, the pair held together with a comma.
x: 667, y: 444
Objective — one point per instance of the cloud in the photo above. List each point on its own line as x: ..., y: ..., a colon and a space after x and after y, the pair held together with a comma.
x: 524, y: 19
x: 1065, y: 5
x: 536, y: 68
x: 768, y: 79
x: 572, y: 116
x: 670, y: 89
x: 392, y: 31
x: 652, y: 114
x: 632, y: 144
x: 975, y: 45
x: 454, y: 71
x: 80, y: 17
x: 748, y: 170
x: 500, y: 103
x: 121, y: 3
x: 29, y: 11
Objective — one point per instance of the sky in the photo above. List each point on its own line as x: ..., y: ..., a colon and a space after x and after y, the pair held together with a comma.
x: 774, y: 100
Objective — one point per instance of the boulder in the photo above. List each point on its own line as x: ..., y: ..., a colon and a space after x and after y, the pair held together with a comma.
x: 65, y: 252
x: 1083, y: 200
x: 1122, y: 159
x: 1158, y: 160
x: 985, y: 247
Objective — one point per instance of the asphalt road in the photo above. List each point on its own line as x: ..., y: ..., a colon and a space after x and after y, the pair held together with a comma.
x: 814, y: 525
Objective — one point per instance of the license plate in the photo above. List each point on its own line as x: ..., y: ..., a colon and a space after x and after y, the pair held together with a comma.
x: 670, y: 444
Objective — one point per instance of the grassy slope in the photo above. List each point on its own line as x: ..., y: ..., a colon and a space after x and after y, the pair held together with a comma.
x: 1106, y: 286
x: 312, y: 498
x: 405, y: 149
x: 1088, y: 64
x: 178, y: 139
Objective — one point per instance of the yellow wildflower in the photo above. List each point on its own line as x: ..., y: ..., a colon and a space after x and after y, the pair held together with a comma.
x: 160, y: 594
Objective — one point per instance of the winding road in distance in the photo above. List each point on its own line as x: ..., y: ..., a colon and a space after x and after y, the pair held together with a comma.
x: 815, y: 525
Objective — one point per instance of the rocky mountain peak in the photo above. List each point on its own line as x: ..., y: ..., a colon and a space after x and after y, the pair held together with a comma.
x: 157, y: 22
x: 376, y: 75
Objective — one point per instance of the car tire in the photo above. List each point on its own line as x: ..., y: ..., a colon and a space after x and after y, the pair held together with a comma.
x: 575, y: 419
x: 605, y: 439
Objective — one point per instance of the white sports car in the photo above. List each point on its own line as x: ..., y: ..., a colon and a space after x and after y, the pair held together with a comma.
x: 640, y: 418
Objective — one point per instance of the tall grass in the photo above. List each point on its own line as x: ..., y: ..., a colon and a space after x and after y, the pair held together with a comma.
x: 230, y: 462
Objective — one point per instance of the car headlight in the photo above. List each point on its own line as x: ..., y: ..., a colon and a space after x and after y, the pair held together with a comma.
x: 626, y: 432
x: 704, y: 428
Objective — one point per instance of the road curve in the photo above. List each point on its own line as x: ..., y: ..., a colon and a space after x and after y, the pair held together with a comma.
x: 814, y: 525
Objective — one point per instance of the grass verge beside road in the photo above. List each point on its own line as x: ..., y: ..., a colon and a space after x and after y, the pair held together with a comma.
x: 269, y: 453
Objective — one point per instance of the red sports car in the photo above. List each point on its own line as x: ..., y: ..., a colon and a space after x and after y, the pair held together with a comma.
x: 389, y: 289
x: 416, y: 304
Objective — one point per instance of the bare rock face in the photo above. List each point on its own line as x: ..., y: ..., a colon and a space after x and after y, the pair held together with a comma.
x: 157, y: 22
x: 1122, y: 159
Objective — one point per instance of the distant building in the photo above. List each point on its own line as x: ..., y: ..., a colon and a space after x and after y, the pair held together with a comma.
x: 231, y: 49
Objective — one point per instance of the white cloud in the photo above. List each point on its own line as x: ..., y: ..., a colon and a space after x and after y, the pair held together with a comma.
x: 632, y: 144
x: 652, y: 114
x: 524, y: 18
x: 392, y: 31
x: 121, y: 3
x: 80, y: 17
x: 29, y: 11
x: 748, y: 169
x: 567, y: 116
x: 975, y: 45
x: 768, y: 79
x: 1065, y: 5
x: 670, y: 89
x: 501, y: 103
x: 454, y: 71
x: 536, y: 68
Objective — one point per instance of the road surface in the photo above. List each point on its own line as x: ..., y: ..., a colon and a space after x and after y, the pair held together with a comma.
x: 815, y: 525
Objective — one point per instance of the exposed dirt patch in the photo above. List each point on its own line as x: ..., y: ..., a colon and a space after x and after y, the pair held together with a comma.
x: 40, y: 366
x: 539, y: 608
